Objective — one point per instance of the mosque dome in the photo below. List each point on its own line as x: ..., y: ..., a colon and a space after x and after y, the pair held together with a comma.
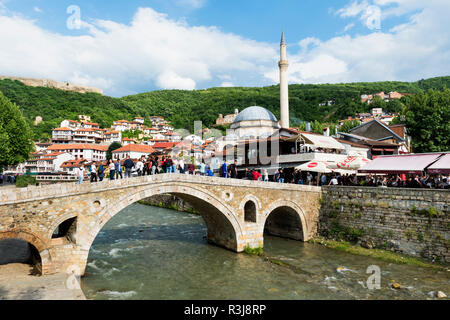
x: 255, y: 113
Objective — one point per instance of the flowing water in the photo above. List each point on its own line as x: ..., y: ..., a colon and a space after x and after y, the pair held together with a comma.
x: 153, y: 253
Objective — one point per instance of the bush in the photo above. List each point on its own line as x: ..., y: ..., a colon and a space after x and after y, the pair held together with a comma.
x: 24, y: 181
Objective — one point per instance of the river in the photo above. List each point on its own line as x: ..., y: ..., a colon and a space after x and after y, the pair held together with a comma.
x: 159, y: 254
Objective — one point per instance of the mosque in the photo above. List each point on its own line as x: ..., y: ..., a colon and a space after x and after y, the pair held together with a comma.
x: 258, y: 122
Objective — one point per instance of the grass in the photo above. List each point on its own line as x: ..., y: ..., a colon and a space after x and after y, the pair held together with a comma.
x: 384, y: 255
x: 254, y: 251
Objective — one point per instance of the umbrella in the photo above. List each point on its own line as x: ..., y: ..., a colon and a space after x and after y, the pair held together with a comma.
x: 315, y: 166
x: 350, y: 163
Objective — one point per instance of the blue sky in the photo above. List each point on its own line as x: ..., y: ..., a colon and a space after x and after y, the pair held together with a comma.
x: 126, y: 47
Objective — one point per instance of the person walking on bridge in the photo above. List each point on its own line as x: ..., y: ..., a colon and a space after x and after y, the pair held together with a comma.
x: 112, y: 170
x: 128, y: 164
x: 224, y: 169
x: 80, y: 174
x: 93, y: 172
x: 118, y: 169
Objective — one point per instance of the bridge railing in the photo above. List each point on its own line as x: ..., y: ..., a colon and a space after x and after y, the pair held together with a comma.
x: 62, y: 178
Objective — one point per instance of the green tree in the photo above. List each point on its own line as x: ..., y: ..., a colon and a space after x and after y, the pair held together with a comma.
x: 427, y: 118
x: 348, y: 125
x: 113, y: 146
x: 15, y: 135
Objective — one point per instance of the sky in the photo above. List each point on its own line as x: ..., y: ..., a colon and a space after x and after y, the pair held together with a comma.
x: 134, y: 46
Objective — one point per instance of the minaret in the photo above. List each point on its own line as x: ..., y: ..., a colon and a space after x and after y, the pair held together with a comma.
x: 284, y: 90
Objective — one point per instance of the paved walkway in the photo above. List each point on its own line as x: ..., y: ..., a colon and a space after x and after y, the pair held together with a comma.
x: 16, y: 283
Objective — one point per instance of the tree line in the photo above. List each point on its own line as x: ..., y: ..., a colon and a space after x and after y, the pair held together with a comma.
x: 425, y: 112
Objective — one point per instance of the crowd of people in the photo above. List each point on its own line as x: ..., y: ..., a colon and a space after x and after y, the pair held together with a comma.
x: 151, y: 165
x: 116, y: 169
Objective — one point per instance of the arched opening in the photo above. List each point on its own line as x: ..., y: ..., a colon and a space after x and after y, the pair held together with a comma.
x: 222, y: 226
x: 284, y: 222
x: 156, y: 243
x: 250, y: 212
x: 16, y: 250
x: 219, y: 229
x: 66, y: 229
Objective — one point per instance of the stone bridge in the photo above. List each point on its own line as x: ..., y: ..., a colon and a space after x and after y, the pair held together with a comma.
x: 61, y: 221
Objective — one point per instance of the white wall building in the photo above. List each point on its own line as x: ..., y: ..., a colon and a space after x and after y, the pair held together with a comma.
x: 135, y: 151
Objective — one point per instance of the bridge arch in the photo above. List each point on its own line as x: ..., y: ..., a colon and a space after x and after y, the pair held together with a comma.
x: 37, y: 243
x: 222, y: 224
x: 286, y: 219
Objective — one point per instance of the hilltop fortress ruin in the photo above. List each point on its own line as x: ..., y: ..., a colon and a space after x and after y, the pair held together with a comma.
x: 54, y: 84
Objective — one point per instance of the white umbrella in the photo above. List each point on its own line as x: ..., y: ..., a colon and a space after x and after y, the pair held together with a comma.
x: 315, y: 166
x: 350, y: 163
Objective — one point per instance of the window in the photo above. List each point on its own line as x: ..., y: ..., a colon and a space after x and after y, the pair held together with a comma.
x: 250, y: 212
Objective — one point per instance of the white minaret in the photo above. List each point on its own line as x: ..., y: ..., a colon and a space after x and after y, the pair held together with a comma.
x: 284, y: 89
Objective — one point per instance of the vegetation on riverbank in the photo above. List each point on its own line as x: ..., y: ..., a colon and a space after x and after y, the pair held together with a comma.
x: 253, y: 251
x: 172, y: 206
x: 381, y: 254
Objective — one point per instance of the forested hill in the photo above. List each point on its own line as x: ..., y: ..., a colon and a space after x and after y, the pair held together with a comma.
x: 184, y: 107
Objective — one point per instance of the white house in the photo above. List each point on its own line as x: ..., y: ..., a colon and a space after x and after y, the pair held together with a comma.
x: 135, y: 151
x: 89, y: 152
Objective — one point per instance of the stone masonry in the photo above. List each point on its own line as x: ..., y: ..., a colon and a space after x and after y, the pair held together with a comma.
x: 409, y: 221
x: 61, y: 221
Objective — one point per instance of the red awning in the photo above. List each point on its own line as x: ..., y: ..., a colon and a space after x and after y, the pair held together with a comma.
x: 412, y: 164
x: 441, y: 166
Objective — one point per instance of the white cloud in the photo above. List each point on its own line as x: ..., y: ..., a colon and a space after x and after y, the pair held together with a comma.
x: 227, y: 84
x: 354, y: 9
x: 152, y: 50
x: 419, y: 48
x: 348, y: 27
x: 171, y: 80
x: 37, y: 9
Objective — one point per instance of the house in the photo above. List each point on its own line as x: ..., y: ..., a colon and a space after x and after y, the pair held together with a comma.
x: 90, y: 125
x: 385, y: 96
x: 112, y: 136
x: 89, y: 152
x: 70, y: 166
x: 139, y: 119
x: 163, y: 147
x: 127, y: 141
x: 86, y: 136
x: 157, y: 120
x: 150, y: 131
x: 121, y: 125
x: 376, y: 148
x: 42, y: 162
x: 377, y: 130
x: 72, y: 124
x: 62, y: 135
x: 135, y: 151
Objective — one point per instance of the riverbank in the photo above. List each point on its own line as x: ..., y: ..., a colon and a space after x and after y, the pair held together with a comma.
x: 169, y: 202
x: 381, y: 254
x: 17, y: 283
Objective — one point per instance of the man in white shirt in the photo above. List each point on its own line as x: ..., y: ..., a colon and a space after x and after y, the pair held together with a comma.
x: 80, y: 174
x: 333, y: 181
x: 139, y: 167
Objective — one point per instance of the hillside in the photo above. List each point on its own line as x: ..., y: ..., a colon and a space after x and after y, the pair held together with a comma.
x: 183, y: 107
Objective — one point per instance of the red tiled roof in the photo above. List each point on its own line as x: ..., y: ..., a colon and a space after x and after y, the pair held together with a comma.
x: 77, y: 146
x: 54, y: 154
x: 135, y: 148
x: 73, y: 163
x: 163, y: 145
x: 62, y: 129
